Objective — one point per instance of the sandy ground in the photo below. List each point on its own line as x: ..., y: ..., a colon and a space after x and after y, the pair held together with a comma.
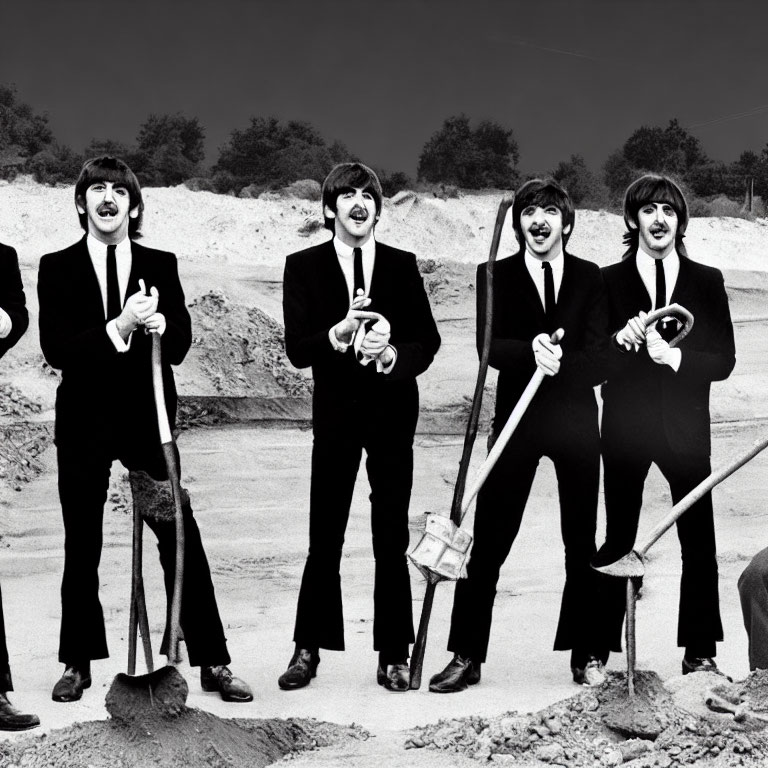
x: 250, y: 483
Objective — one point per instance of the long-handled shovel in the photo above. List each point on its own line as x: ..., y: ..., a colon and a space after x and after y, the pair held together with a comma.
x: 165, y: 688
x: 417, y: 656
x: 630, y: 567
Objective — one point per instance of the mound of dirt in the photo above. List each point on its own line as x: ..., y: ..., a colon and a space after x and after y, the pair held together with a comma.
x: 604, y: 727
x: 194, y: 739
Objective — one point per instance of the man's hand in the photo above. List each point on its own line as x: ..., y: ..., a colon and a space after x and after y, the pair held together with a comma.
x: 138, y: 307
x: 155, y: 323
x: 546, y: 354
x: 376, y: 340
x: 345, y: 330
x: 633, y: 334
x: 660, y: 352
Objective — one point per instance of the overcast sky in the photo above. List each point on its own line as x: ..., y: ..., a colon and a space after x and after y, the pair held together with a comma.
x: 570, y: 76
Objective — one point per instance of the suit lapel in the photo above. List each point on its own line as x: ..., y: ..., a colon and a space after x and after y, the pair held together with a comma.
x: 331, y: 275
x: 522, y: 277
x: 87, y: 282
x: 637, y: 295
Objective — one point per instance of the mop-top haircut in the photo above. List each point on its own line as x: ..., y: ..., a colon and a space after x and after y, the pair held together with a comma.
x: 112, y: 169
x: 653, y: 188
x: 542, y: 193
x: 350, y: 176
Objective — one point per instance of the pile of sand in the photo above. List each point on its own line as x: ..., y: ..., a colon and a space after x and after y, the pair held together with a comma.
x: 194, y: 739
x: 603, y: 727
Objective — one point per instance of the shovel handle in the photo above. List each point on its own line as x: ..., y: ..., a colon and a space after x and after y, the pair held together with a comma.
x: 512, y: 421
x: 700, y: 490
x: 169, y: 454
x: 672, y: 309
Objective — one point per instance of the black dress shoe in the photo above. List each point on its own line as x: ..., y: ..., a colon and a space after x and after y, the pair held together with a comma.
x: 221, y: 679
x: 301, y: 669
x: 460, y: 672
x: 13, y: 720
x: 396, y: 677
x: 702, y: 664
x: 591, y: 674
x: 72, y: 683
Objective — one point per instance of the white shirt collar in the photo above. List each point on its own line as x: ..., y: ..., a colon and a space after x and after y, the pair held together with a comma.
x: 534, y: 264
x: 98, y: 250
x: 345, y: 251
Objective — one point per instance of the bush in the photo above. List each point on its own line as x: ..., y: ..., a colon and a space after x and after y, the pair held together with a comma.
x: 57, y: 164
x: 200, y: 184
x: 392, y: 183
x: 304, y: 189
x: 169, y: 150
x: 273, y: 155
x: 471, y: 159
x: 583, y: 186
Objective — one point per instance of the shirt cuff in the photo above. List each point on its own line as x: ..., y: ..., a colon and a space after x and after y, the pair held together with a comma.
x: 6, y: 324
x: 675, y: 358
x: 339, y: 346
x: 388, y: 368
x: 116, y: 338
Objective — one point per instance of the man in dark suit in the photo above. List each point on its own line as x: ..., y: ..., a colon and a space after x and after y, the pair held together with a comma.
x: 365, y: 397
x: 536, y: 291
x: 656, y: 402
x: 93, y: 313
x: 13, y: 323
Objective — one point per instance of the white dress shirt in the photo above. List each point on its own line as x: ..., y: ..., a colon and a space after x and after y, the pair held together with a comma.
x: 536, y: 272
x: 124, y: 259
x: 646, y: 266
x: 346, y: 257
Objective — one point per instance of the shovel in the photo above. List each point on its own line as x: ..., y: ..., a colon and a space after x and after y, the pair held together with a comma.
x: 164, y: 688
x: 417, y: 656
x: 630, y: 567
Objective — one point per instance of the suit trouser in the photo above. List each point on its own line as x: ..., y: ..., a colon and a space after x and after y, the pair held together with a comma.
x: 753, y: 592
x: 386, y: 432
x: 626, y: 464
x: 83, y: 485
x: 5, y: 668
x: 498, y: 515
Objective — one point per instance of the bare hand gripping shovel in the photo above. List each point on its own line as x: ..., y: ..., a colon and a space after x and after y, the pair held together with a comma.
x: 163, y: 689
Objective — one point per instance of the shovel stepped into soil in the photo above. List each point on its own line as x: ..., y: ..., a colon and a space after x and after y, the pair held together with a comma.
x: 164, y: 689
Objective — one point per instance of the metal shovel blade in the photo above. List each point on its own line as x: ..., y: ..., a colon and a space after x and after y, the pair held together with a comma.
x: 627, y: 567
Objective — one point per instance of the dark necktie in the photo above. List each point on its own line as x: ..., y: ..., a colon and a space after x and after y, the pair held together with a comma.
x: 667, y: 328
x: 359, y: 286
x: 661, y: 285
x: 113, y: 288
x: 549, y: 294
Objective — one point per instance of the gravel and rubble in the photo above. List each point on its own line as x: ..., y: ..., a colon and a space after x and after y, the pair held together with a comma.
x: 591, y: 729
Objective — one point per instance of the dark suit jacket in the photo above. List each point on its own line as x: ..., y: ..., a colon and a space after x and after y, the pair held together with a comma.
x: 101, y: 387
x: 639, y: 394
x: 12, y: 298
x: 315, y: 298
x: 564, y: 402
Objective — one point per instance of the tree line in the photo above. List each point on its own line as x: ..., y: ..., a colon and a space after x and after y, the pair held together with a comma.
x: 269, y: 154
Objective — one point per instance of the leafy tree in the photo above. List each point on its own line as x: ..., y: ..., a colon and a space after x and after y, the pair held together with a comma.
x: 474, y: 159
x: 671, y: 150
x: 169, y: 149
x: 582, y: 185
x: 271, y: 154
x: 21, y: 131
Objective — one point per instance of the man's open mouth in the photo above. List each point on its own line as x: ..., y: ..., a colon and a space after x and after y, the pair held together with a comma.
x: 358, y: 214
x: 107, y: 210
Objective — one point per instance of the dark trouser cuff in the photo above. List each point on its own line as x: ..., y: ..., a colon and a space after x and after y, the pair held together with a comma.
x: 6, y: 684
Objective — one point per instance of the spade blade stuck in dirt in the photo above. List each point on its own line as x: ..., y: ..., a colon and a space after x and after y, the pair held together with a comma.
x: 160, y: 693
x: 163, y: 691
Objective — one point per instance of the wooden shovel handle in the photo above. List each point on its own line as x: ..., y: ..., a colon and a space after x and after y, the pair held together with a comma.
x: 169, y: 454
x: 672, y: 309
